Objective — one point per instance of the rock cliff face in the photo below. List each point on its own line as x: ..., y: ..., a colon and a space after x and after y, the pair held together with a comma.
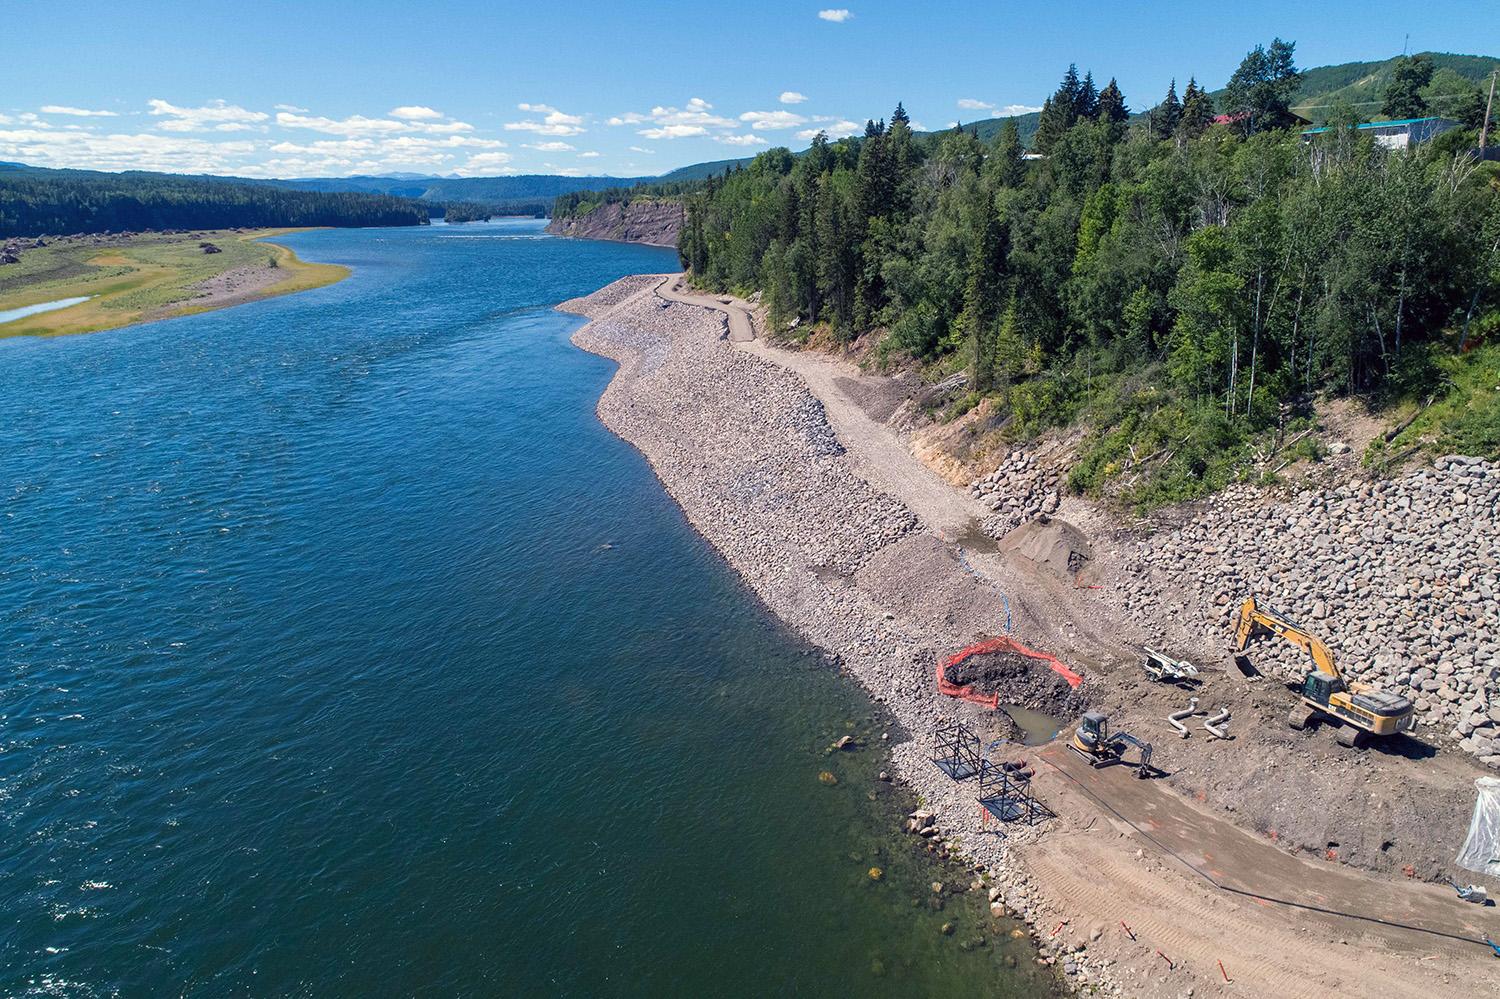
x: 655, y: 223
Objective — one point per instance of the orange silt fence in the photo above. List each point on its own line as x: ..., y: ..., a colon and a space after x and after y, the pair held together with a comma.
x: 1003, y: 644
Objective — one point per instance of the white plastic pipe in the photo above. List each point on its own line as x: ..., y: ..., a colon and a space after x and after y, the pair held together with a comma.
x: 1175, y: 718
x: 1216, y: 725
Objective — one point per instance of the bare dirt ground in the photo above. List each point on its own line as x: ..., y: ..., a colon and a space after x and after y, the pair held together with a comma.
x: 235, y: 287
x: 1297, y: 813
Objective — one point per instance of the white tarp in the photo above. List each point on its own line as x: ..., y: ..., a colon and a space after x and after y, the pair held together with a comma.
x: 1481, y: 851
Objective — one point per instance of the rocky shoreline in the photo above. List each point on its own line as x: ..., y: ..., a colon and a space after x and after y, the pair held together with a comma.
x: 747, y: 451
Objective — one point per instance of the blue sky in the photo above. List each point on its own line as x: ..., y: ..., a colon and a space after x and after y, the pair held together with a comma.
x: 315, y: 88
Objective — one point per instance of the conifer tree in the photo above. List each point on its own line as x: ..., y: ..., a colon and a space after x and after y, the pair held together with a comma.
x: 1112, y: 104
x: 1086, y: 105
x: 1197, y: 111
x: 1050, y: 126
x: 982, y: 290
x: 1167, y: 114
x: 1008, y: 158
x: 1069, y: 90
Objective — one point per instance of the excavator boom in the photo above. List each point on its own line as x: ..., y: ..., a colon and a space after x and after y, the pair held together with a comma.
x: 1251, y: 615
x: 1324, y: 691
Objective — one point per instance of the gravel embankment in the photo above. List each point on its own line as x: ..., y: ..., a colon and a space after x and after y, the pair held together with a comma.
x: 748, y: 454
x: 1399, y: 578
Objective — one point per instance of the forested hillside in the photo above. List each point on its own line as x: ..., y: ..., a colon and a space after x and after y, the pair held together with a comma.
x: 1181, y: 289
x: 523, y: 194
x: 35, y: 202
x: 1453, y: 84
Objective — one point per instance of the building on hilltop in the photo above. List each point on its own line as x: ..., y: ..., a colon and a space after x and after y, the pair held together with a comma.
x: 1399, y: 134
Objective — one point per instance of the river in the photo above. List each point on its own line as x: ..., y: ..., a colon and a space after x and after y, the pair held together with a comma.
x: 347, y: 654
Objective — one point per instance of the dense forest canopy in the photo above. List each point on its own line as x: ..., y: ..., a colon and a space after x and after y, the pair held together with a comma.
x: 35, y: 202
x: 579, y: 203
x: 1187, y: 284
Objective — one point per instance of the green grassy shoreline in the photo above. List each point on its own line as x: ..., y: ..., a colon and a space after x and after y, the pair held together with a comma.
x: 150, y: 276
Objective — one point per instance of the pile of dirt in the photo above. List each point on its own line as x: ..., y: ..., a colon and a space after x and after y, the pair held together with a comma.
x: 1052, y: 544
x: 1017, y: 679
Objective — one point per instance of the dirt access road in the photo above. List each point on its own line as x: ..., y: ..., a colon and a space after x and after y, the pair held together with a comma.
x: 1136, y: 858
x: 1136, y: 854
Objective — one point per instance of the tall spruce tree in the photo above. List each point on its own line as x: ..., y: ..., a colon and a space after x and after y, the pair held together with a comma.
x: 1087, y: 103
x: 1059, y: 111
x: 1197, y: 111
x: 1112, y: 104
x: 983, y: 288
x: 1166, y: 115
x: 1069, y: 91
x: 1007, y: 158
x: 1050, y: 126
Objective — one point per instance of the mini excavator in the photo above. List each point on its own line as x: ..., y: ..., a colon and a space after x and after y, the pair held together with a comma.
x: 1361, y: 710
x: 1094, y: 742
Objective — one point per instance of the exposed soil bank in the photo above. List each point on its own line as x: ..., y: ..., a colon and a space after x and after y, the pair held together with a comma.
x: 749, y: 453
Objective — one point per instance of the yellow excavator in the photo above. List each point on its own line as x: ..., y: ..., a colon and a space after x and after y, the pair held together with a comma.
x: 1361, y: 710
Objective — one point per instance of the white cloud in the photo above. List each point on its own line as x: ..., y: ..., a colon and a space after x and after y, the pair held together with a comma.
x: 1011, y: 110
x: 741, y: 140
x: 642, y: 149
x: 673, y: 132
x: 75, y: 112
x: 215, y: 116
x: 294, y: 109
x: 445, y: 128
x: 386, y: 145
x: 792, y: 97
x: 590, y: 155
x: 542, y: 128
x: 838, y: 15
x: 696, y: 113
x: 554, y: 122
x: 970, y: 104
x: 144, y: 151
x: 834, y: 130
x: 353, y: 125
x: 415, y: 112
x: 763, y: 121
x: 548, y: 147
x: 554, y: 116
x: 482, y: 163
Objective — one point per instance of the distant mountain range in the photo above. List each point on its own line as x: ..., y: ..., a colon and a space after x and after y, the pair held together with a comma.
x: 502, y: 192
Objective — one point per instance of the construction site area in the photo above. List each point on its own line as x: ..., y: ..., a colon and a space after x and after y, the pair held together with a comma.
x: 1242, y: 753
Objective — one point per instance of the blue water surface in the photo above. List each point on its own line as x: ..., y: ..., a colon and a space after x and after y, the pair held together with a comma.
x: 345, y: 653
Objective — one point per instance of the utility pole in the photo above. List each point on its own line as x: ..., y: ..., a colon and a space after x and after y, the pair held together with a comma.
x: 1484, y: 130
